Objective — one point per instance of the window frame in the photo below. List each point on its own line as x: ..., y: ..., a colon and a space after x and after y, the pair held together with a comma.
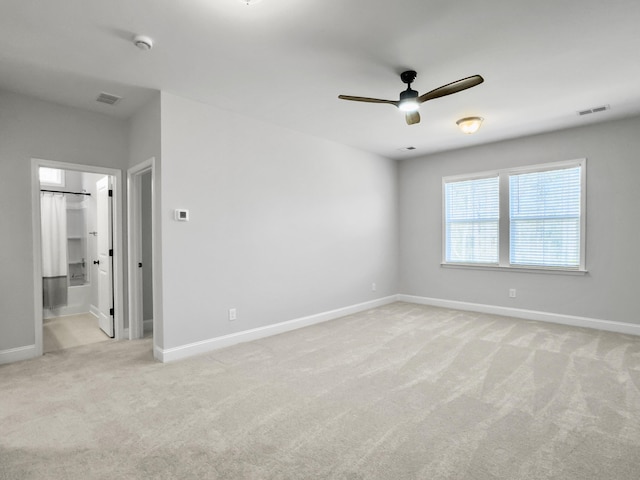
x: 504, y: 223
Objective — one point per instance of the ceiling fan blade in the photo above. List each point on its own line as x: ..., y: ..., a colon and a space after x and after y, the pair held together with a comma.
x: 412, y: 117
x: 367, y: 99
x: 453, y: 87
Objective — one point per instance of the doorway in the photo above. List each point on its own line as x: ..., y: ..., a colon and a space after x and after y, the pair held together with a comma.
x: 143, y: 314
x: 77, y: 255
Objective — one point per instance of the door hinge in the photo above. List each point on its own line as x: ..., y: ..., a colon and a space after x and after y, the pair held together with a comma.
x: 111, y: 312
x: 110, y: 193
x: 111, y: 252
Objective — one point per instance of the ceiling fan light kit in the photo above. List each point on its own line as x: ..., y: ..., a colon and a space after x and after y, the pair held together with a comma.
x: 469, y: 125
x: 409, y: 101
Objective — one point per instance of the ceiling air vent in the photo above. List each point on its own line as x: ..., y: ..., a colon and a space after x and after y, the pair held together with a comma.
x: 108, y: 98
x: 601, y: 108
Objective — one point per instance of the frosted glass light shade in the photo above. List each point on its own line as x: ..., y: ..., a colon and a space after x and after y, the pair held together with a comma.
x: 470, y: 125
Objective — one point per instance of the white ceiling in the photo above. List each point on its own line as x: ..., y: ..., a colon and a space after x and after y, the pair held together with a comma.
x: 286, y: 61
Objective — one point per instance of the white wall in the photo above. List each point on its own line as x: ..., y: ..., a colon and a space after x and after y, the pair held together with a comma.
x: 144, y: 133
x: 31, y: 128
x: 283, y: 225
x: 608, y: 292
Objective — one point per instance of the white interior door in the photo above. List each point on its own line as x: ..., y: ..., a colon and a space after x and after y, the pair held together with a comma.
x: 104, y: 245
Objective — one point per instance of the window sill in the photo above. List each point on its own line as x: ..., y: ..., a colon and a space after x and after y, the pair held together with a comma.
x: 547, y: 270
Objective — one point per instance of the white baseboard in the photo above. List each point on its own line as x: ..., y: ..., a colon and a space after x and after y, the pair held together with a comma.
x: 189, y: 350
x: 94, y: 310
x: 607, y: 325
x: 16, y: 354
x: 157, y: 353
x: 147, y: 327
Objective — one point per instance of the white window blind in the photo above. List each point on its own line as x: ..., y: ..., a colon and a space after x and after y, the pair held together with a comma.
x: 545, y: 223
x: 472, y: 216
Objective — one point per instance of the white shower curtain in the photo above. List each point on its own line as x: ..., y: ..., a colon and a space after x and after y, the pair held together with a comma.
x: 53, y: 214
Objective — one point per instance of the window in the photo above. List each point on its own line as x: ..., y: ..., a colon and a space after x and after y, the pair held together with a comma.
x: 529, y: 217
x: 472, y: 218
x: 544, y: 211
x: 51, y: 176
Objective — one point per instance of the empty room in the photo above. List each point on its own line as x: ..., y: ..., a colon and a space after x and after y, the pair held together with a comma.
x: 267, y: 239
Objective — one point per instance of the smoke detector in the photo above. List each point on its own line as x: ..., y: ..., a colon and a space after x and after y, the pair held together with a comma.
x: 249, y: 2
x: 143, y: 42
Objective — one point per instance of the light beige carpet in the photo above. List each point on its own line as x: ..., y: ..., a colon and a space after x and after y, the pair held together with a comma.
x: 398, y: 392
x: 71, y: 331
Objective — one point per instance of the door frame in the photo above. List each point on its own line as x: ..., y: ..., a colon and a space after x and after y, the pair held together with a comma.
x: 134, y: 192
x: 118, y: 250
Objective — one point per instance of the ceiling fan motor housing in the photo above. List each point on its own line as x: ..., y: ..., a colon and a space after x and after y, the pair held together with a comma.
x: 408, y: 94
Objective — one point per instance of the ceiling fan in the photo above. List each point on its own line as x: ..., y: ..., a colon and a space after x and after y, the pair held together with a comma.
x: 409, y: 101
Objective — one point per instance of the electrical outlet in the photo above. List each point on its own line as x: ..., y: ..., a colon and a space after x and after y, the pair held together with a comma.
x: 233, y: 314
x: 512, y: 293
x: 373, y: 287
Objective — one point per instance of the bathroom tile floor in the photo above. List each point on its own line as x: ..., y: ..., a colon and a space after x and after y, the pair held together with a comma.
x: 69, y: 331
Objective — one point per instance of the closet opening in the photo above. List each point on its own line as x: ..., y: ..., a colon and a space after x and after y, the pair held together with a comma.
x: 143, y: 311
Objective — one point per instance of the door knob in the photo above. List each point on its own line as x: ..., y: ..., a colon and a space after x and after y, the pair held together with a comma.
x: 96, y: 262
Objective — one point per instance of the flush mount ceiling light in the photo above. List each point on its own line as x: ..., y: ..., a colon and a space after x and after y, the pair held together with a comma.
x: 469, y: 125
x: 143, y: 42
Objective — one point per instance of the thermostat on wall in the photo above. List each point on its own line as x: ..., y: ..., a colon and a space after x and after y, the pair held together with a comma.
x: 181, y: 215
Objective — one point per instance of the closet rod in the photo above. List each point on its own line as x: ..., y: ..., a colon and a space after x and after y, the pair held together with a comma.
x: 70, y: 193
